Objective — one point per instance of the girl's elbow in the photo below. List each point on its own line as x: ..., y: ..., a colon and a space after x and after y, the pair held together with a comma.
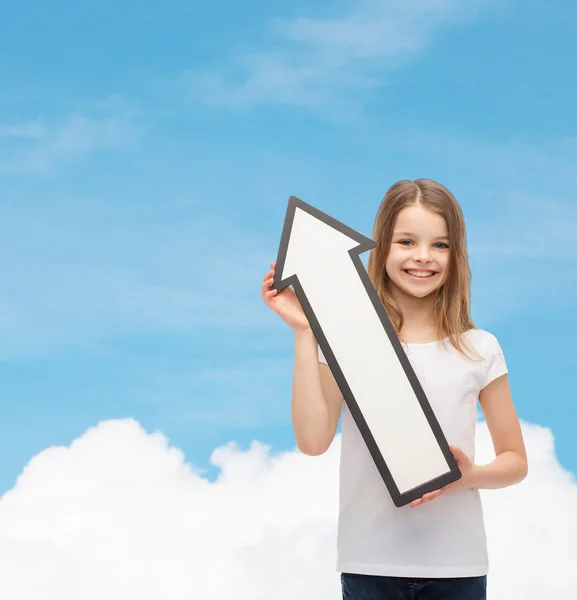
x: 524, y: 468
x: 313, y: 448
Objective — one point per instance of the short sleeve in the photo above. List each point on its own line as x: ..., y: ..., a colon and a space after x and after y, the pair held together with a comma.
x: 322, y: 357
x: 494, y: 364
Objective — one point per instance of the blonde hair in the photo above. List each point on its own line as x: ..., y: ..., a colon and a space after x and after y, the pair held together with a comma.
x: 452, y: 299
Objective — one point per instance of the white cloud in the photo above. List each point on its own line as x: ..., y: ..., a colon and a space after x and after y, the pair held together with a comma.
x: 40, y: 146
x: 312, y: 61
x: 119, y: 514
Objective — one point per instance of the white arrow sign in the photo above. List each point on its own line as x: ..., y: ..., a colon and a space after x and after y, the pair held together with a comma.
x: 319, y: 257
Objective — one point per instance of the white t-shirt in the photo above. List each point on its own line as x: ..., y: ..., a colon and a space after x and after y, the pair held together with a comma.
x: 441, y: 538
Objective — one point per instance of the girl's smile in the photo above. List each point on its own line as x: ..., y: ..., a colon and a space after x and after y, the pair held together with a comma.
x: 420, y: 274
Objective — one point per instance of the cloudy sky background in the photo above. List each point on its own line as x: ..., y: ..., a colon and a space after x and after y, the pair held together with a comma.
x: 146, y: 157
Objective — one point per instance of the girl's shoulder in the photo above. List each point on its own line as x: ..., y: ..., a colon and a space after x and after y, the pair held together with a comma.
x: 484, y: 341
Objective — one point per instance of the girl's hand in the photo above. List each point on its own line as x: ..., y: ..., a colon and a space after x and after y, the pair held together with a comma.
x: 467, y: 480
x: 285, y: 303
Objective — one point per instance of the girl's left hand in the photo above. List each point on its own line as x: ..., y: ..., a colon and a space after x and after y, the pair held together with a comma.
x: 467, y: 480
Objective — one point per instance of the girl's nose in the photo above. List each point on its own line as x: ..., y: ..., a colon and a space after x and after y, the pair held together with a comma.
x: 422, y: 255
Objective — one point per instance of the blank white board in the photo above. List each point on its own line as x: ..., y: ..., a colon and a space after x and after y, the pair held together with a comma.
x: 320, y: 257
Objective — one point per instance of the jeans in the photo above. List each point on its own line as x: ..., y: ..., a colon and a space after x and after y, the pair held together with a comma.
x: 377, y: 587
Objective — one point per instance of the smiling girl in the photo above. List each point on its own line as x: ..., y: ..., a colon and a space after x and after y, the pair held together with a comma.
x: 435, y: 548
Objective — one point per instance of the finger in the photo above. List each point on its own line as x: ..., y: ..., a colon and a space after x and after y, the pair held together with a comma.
x: 462, y: 459
x: 457, y: 452
x: 265, y: 289
x: 270, y: 294
x: 418, y: 501
x: 267, y: 283
x: 431, y: 495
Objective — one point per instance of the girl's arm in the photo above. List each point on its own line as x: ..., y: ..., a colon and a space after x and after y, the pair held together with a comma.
x: 510, y: 465
x: 316, y: 398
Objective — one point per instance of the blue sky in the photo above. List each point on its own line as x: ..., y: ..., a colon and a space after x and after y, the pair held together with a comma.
x: 146, y: 158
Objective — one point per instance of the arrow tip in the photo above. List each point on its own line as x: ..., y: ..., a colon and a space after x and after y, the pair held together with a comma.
x: 309, y: 232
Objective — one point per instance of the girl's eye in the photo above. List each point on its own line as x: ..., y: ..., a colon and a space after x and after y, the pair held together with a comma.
x: 442, y: 244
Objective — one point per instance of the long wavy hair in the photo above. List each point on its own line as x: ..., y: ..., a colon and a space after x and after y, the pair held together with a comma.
x: 452, y: 299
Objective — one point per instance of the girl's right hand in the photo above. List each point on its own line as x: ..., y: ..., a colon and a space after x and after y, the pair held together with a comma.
x: 284, y: 303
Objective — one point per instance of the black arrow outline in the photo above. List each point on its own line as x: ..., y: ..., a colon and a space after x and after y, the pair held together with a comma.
x: 365, y: 243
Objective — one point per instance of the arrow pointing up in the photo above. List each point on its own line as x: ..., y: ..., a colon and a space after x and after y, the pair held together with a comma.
x: 319, y: 257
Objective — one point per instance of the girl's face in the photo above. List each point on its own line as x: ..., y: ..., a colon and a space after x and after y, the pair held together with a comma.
x: 419, y: 254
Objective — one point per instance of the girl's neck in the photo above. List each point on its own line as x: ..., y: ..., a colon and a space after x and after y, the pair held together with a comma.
x: 418, y: 318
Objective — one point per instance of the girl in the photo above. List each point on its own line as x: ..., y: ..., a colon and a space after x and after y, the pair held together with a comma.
x: 434, y: 548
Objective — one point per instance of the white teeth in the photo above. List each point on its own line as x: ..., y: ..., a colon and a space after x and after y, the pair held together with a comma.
x: 421, y: 273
